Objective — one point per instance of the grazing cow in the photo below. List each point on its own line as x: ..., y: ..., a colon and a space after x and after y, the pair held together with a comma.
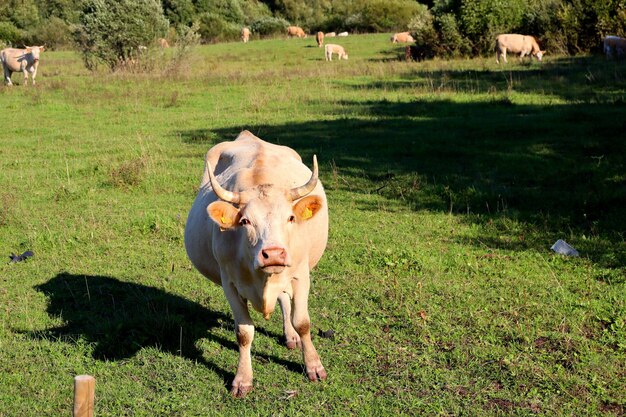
x: 24, y: 60
x: 518, y: 44
x: 402, y: 37
x: 614, y: 46
x: 245, y: 35
x: 331, y: 48
x: 295, y: 31
x: 330, y: 35
x: 163, y: 43
x: 319, y: 37
x: 257, y: 227
x: 343, y: 34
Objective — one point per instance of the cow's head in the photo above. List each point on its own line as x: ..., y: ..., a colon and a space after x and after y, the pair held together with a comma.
x: 539, y: 55
x: 35, y: 51
x: 266, y: 217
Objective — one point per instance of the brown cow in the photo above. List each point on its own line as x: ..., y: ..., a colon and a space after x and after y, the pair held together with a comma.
x: 20, y: 60
x: 518, y: 44
x: 296, y: 31
x: 257, y: 227
x: 245, y: 35
x: 319, y: 37
x: 163, y: 43
x: 402, y: 37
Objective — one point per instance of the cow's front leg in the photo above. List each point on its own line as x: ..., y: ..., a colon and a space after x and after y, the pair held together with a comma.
x: 302, y: 323
x: 244, y: 330
x: 292, y: 338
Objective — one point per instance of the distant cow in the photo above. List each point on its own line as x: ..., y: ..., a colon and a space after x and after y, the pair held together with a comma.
x: 342, y: 34
x: 295, y: 31
x: 245, y: 35
x: 518, y: 44
x: 163, y: 43
x: 402, y: 37
x: 331, y: 49
x: 20, y: 60
x: 330, y: 35
x: 257, y: 227
x: 319, y: 37
x: 614, y: 47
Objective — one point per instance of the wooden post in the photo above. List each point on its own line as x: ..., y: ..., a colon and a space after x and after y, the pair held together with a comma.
x: 84, y: 393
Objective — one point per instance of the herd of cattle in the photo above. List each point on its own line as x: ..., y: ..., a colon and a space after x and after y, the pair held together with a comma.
x: 27, y: 60
x: 259, y: 222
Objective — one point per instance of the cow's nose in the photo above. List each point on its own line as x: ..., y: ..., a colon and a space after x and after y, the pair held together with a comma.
x: 273, y: 255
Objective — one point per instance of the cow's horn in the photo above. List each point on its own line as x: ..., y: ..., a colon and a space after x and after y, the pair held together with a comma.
x: 228, y: 196
x: 305, y: 189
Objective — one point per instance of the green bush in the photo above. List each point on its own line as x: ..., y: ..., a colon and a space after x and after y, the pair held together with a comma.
x: 53, y: 33
x: 213, y: 27
x: 111, y: 32
x: 10, y: 34
x: 269, y: 26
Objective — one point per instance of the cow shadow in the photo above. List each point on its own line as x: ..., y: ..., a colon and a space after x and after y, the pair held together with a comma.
x: 120, y: 318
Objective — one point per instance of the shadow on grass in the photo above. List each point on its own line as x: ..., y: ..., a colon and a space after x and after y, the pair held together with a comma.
x: 120, y: 318
x: 556, y: 168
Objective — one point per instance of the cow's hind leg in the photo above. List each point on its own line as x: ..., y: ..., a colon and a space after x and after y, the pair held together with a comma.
x: 244, y: 330
x: 292, y: 339
x: 7, y: 77
x: 302, y: 323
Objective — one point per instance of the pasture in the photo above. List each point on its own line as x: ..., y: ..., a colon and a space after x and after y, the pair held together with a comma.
x: 447, y: 181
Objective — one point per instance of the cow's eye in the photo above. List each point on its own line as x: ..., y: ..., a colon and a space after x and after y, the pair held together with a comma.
x: 291, y: 219
x: 244, y: 221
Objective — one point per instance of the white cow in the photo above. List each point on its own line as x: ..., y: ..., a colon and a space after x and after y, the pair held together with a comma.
x: 257, y: 227
x: 20, y: 60
x: 518, y: 44
x: 331, y: 49
x: 614, y: 46
x: 245, y: 35
x: 342, y: 34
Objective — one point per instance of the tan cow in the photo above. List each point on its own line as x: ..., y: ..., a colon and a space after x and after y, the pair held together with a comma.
x: 20, y: 60
x: 163, y: 43
x: 245, y: 35
x: 614, y: 47
x: 296, y: 31
x: 330, y: 35
x: 331, y: 48
x: 319, y: 37
x: 257, y: 227
x: 518, y: 44
x: 402, y: 37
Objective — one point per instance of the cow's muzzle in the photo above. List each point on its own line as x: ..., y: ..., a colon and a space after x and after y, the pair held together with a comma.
x: 273, y: 259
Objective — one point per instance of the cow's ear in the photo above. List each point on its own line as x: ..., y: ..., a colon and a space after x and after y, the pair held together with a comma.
x: 307, y: 207
x: 224, y: 214
x: 41, y: 48
x: 28, y: 49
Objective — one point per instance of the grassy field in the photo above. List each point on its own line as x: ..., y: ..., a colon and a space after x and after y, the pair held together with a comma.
x: 448, y: 181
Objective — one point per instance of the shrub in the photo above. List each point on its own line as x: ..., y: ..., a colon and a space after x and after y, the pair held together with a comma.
x: 269, y: 26
x: 53, y: 33
x: 111, y: 32
x: 10, y: 34
x: 213, y: 27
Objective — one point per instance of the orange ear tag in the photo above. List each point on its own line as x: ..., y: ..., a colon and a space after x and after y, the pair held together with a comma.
x: 307, y: 214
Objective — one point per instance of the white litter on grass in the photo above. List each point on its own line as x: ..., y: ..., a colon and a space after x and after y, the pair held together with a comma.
x: 562, y: 247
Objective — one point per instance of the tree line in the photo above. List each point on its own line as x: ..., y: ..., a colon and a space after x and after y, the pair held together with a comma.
x: 444, y: 28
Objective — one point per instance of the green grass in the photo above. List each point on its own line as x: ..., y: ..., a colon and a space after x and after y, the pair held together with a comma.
x: 447, y: 182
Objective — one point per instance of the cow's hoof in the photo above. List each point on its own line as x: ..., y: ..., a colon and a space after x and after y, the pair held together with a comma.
x: 293, y: 342
x: 317, y: 374
x: 240, y: 390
